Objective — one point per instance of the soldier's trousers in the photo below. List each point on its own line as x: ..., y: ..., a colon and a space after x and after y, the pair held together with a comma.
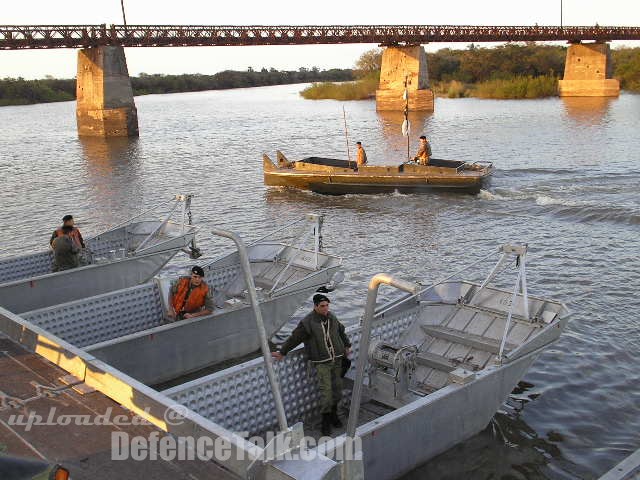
x: 330, y: 383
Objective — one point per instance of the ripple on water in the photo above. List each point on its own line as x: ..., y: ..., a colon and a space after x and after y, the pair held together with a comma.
x: 552, y: 189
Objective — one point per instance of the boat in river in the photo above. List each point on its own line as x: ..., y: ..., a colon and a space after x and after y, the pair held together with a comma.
x: 124, y: 255
x: 339, y: 177
x: 439, y: 362
x: 129, y: 328
x: 440, y: 359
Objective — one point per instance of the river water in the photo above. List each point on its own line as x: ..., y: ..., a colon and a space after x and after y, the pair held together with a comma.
x: 566, y: 183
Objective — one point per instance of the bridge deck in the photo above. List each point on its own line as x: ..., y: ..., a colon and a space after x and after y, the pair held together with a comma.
x: 18, y: 37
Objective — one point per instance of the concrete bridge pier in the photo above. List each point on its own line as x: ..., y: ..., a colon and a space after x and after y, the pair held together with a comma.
x: 588, y: 71
x: 399, y: 64
x: 105, y: 106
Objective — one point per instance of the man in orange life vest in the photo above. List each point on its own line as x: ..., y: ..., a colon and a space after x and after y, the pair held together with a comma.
x: 190, y: 296
x: 75, y: 234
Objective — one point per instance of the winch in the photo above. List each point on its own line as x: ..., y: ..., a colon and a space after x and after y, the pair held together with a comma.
x: 391, y: 371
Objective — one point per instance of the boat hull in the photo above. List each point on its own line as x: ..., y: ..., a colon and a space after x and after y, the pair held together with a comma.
x: 435, y: 423
x: 406, y: 178
x: 61, y: 287
x: 164, y: 353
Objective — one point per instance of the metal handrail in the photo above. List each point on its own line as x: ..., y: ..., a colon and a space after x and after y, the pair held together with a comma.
x: 365, y: 338
x: 135, y: 216
x: 262, y: 334
x: 433, y: 285
x: 508, y: 322
x: 291, y: 260
x: 157, y: 229
x: 253, y: 242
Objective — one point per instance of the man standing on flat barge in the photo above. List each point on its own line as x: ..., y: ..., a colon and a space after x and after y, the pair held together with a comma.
x: 362, y: 155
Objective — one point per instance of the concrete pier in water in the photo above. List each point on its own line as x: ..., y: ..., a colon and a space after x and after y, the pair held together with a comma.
x: 399, y: 65
x: 105, y: 106
x: 588, y: 71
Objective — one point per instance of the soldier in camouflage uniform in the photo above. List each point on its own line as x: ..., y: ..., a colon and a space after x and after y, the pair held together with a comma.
x: 326, y: 343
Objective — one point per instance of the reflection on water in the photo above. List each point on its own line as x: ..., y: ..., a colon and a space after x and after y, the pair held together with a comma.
x: 106, y: 154
x: 113, y: 168
x: 587, y: 110
x: 395, y: 148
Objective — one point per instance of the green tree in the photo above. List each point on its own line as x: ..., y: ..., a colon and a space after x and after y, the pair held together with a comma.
x: 369, y: 63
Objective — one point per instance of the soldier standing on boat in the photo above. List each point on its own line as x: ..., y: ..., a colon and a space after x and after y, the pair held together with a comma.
x: 65, y: 250
x: 362, y: 155
x: 326, y: 344
x: 75, y: 235
x: 190, y: 296
x: 424, y: 151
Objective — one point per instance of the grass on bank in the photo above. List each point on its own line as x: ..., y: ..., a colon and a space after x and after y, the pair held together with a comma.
x: 510, y: 88
x: 358, y: 90
x: 518, y: 87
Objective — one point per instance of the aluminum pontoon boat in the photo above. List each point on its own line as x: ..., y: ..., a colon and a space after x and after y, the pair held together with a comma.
x: 439, y: 362
x: 129, y: 328
x: 339, y: 177
x: 128, y: 254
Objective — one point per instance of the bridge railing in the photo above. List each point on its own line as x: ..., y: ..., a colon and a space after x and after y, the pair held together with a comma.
x: 16, y: 37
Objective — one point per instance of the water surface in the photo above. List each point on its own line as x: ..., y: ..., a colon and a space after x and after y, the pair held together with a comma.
x: 566, y: 184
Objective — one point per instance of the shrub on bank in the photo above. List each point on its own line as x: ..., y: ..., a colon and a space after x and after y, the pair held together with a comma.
x: 626, y: 63
x: 518, y: 87
x: 18, y: 91
x: 358, y: 90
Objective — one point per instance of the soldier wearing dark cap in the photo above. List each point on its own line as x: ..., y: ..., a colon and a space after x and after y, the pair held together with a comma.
x: 75, y: 235
x: 65, y: 250
x: 325, y: 343
x: 424, y: 151
x: 190, y: 296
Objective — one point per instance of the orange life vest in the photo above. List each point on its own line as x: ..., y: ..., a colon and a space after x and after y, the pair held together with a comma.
x: 196, y: 298
x: 75, y: 235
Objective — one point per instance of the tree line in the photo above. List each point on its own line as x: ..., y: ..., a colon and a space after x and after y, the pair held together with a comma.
x: 475, y: 65
x: 513, y: 70
x: 18, y: 91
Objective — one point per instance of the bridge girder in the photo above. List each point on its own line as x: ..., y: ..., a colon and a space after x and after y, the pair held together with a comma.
x: 24, y: 37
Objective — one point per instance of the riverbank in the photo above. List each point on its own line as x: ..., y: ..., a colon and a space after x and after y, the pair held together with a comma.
x: 510, y: 71
x: 520, y: 87
x: 18, y: 91
x: 355, y: 90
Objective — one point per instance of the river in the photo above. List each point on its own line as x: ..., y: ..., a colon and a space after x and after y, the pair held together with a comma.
x: 566, y: 183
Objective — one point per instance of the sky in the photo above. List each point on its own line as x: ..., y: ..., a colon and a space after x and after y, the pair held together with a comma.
x: 208, y: 60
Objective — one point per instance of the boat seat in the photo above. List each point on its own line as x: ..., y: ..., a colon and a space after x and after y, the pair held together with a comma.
x: 431, y: 360
x: 468, y: 339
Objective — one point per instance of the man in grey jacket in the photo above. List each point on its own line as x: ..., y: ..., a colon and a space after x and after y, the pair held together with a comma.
x: 325, y: 343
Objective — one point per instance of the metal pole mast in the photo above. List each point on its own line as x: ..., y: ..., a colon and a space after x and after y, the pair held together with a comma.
x: 124, y: 17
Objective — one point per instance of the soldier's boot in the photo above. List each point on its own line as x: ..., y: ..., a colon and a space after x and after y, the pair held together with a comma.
x: 335, y: 420
x: 325, y: 428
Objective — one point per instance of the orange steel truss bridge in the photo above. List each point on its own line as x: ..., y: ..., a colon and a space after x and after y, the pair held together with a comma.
x: 23, y: 37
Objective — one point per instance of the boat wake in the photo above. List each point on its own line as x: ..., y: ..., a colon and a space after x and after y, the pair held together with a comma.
x: 570, y: 208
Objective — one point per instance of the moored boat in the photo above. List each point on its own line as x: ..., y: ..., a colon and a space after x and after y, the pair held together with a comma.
x: 124, y: 255
x: 339, y: 177
x: 129, y: 328
x: 444, y: 358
